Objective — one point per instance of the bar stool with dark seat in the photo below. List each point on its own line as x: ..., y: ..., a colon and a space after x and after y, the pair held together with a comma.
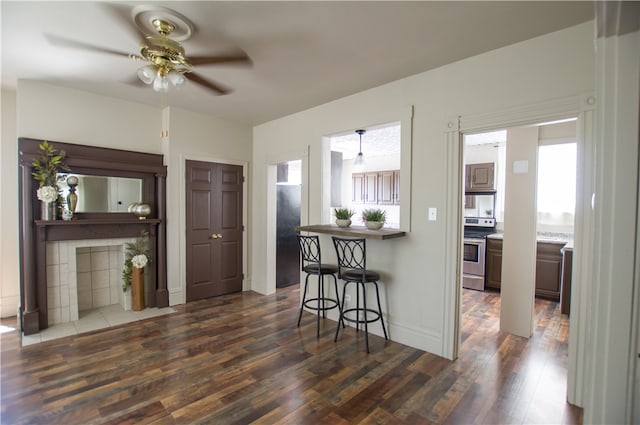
x: 352, y: 268
x: 312, y: 265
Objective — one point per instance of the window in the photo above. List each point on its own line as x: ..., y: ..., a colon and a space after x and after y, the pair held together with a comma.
x: 375, y: 184
x: 556, y: 184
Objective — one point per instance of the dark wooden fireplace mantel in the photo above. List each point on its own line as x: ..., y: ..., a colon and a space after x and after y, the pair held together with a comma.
x: 35, y: 233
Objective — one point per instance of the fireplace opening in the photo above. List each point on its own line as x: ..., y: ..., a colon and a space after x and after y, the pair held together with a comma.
x: 83, y: 276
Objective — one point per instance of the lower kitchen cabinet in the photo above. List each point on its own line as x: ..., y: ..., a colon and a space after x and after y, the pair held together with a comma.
x: 493, y: 263
x: 548, y: 267
x: 548, y: 270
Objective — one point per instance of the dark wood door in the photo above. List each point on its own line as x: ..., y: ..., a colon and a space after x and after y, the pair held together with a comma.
x: 214, y: 229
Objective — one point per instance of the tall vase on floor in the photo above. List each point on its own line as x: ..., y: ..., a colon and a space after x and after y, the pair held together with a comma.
x: 137, y: 289
x: 135, y: 260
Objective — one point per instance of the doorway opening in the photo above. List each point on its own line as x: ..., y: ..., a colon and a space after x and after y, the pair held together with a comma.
x: 551, y: 166
x: 288, y: 201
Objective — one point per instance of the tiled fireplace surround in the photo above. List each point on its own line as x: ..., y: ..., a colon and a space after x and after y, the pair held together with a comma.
x: 83, y: 275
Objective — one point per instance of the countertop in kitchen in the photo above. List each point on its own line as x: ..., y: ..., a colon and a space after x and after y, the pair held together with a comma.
x: 549, y: 237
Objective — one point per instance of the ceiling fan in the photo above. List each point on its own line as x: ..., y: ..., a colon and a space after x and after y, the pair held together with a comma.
x: 166, y: 61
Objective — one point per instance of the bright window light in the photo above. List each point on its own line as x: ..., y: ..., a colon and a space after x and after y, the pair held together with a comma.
x: 557, y: 179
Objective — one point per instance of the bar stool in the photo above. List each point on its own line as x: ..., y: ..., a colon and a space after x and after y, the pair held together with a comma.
x: 352, y: 268
x: 312, y: 265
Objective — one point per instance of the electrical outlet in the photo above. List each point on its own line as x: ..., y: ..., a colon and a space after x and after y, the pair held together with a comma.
x: 347, y: 299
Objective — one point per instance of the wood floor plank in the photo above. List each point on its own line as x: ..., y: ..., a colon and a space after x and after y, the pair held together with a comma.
x: 240, y: 359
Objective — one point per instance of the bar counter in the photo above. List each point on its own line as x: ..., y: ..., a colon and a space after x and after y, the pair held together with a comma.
x: 352, y: 231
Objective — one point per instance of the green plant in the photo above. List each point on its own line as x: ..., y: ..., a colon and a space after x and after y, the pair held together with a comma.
x: 132, y: 249
x: 374, y: 214
x: 47, y: 167
x: 343, y: 213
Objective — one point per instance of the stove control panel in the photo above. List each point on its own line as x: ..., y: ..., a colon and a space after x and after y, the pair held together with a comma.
x: 480, y: 222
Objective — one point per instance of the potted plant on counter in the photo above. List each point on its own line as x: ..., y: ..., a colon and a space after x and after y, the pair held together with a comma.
x: 374, y: 218
x: 343, y: 216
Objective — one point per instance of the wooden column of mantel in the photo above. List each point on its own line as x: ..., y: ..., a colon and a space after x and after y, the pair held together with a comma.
x: 353, y: 231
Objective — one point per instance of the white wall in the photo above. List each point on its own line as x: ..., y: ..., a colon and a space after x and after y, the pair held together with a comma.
x: 413, y: 267
x: 9, y: 273
x: 203, y: 138
x: 72, y: 116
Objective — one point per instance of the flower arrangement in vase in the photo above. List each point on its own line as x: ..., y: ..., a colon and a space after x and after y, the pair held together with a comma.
x: 45, y: 171
x: 343, y: 216
x: 135, y: 260
x: 374, y: 218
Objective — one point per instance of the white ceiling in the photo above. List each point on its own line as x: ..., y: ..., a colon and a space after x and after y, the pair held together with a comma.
x: 304, y: 53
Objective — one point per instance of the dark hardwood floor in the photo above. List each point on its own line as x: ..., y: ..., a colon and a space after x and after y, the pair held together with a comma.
x: 240, y: 359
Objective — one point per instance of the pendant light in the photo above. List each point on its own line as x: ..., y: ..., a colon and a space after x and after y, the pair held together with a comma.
x: 359, y: 161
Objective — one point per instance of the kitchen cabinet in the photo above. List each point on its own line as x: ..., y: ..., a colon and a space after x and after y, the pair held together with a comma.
x: 548, y: 270
x: 396, y: 187
x: 357, y: 188
x: 480, y: 177
x: 376, y: 187
x: 493, y: 263
x: 469, y: 202
x: 389, y: 187
x: 370, y: 188
x: 548, y: 267
x: 385, y: 187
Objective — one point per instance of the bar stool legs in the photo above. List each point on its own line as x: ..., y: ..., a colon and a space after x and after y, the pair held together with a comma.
x: 312, y: 265
x: 321, y: 303
x: 361, y: 313
x: 352, y: 268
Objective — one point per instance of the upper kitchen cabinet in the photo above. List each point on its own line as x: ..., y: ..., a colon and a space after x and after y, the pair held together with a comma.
x: 389, y: 187
x: 376, y: 187
x: 480, y: 177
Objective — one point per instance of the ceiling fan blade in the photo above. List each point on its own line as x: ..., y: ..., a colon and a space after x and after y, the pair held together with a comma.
x: 238, y: 57
x: 122, y: 13
x: 198, y: 79
x: 74, y: 44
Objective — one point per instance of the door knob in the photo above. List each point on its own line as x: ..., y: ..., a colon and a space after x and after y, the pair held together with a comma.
x: 214, y: 236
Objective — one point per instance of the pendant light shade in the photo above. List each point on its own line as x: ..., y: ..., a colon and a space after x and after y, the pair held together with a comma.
x: 359, y: 161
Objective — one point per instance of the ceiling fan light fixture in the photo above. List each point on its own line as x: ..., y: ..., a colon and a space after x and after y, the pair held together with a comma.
x: 175, y: 77
x: 147, y: 73
x: 161, y: 83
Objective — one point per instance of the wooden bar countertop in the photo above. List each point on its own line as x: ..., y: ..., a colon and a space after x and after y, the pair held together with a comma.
x: 352, y: 231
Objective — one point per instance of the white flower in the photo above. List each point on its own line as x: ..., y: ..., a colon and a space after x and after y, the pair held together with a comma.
x: 139, y: 261
x: 47, y: 194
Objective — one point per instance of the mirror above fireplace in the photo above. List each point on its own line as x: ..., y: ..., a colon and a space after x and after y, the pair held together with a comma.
x: 102, y: 194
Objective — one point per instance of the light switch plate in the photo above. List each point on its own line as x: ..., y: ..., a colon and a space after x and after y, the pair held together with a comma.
x: 433, y: 214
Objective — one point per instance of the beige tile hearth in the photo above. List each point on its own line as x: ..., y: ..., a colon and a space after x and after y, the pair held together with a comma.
x: 92, y: 320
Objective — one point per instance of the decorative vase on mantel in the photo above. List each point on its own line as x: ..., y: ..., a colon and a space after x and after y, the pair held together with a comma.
x: 137, y: 289
x: 48, y: 211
